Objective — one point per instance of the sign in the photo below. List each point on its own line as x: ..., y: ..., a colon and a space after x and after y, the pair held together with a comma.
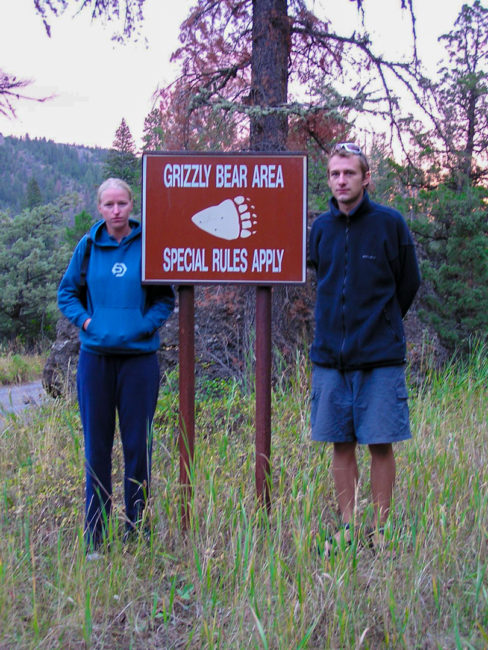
x: 224, y: 218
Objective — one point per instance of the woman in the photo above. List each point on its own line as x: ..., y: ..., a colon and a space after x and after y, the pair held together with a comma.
x: 118, y: 368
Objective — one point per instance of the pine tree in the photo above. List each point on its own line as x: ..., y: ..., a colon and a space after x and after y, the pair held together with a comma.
x: 453, y: 230
x: 246, y: 67
x: 122, y: 160
x: 33, y: 194
x: 456, y: 147
x: 153, y: 135
x: 82, y: 223
x: 33, y: 257
x: 451, y: 223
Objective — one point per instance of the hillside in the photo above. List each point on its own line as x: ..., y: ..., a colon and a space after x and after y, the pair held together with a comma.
x: 56, y: 168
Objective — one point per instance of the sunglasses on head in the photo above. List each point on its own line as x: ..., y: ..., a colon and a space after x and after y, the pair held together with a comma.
x: 350, y: 147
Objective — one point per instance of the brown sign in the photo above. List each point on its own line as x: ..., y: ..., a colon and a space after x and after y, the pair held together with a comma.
x: 224, y: 218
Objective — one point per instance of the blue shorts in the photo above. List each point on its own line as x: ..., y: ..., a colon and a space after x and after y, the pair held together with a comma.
x: 365, y: 406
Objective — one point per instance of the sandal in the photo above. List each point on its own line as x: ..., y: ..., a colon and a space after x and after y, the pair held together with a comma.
x: 376, y: 538
x: 341, y: 540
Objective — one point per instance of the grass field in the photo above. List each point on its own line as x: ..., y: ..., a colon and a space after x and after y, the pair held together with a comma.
x: 240, y: 578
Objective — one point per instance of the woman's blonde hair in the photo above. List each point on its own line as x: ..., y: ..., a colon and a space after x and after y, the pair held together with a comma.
x: 113, y: 182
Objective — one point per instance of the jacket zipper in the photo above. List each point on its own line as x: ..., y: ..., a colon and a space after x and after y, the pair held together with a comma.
x: 343, y: 296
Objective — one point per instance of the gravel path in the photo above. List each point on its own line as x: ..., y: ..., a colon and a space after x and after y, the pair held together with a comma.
x: 14, y: 399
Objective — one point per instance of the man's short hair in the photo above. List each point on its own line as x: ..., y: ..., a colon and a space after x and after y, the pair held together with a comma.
x: 347, y: 150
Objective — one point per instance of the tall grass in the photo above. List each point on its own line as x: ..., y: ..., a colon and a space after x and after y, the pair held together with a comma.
x: 241, y: 577
x: 19, y: 368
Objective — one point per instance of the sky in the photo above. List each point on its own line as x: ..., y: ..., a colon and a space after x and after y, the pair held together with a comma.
x: 95, y: 82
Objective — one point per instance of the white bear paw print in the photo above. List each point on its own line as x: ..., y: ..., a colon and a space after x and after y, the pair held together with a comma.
x: 232, y: 219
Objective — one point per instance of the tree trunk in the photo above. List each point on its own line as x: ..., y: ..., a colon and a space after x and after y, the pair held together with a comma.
x: 269, y: 74
x: 467, y: 166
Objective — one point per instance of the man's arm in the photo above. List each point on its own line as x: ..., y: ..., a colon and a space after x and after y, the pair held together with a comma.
x: 408, y: 279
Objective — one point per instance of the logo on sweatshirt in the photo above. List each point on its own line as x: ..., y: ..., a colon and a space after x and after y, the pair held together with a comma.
x: 119, y: 269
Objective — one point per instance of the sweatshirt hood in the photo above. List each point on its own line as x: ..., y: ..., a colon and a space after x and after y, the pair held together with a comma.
x: 100, y: 237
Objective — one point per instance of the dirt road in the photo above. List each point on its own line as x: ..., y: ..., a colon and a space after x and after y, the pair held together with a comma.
x: 14, y: 399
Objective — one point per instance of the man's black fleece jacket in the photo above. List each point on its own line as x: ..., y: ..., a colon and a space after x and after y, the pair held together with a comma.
x: 367, y: 278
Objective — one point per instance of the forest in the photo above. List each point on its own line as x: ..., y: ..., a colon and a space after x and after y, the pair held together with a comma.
x: 236, y: 92
x: 47, y: 197
x: 38, y: 171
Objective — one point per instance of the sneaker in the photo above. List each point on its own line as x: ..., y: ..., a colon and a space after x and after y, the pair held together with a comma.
x: 93, y: 556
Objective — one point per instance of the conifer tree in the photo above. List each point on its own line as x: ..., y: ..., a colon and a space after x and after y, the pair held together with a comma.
x: 452, y: 229
x: 33, y: 194
x: 252, y: 63
x: 450, y: 209
x: 82, y: 223
x: 153, y: 136
x: 33, y: 257
x: 457, y: 103
x: 122, y: 161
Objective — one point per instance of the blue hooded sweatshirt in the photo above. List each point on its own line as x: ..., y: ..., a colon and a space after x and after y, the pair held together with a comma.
x: 367, y: 277
x: 125, y: 315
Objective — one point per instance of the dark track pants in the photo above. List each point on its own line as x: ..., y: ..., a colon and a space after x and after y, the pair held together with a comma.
x: 129, y: 385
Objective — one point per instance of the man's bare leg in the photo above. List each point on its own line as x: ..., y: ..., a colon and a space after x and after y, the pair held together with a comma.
x: 346, y: 476
x: 382, y: 480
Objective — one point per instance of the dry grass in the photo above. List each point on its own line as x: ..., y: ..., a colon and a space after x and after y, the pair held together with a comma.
x: 16, y: 368
x: 240, y: 578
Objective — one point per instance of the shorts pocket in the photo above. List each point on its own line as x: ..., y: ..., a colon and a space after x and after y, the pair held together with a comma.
x: 401, y: 391
x: 314, y: 402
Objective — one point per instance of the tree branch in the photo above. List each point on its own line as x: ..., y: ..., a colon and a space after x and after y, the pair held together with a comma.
x: 10, y: 92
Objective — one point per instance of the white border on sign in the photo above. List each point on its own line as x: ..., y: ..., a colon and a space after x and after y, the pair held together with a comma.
x: 224, y: 155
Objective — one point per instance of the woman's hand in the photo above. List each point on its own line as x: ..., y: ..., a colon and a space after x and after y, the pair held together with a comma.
x: 85, y: 324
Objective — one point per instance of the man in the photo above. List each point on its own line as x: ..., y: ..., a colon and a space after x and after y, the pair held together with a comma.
x: 367, y: 277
